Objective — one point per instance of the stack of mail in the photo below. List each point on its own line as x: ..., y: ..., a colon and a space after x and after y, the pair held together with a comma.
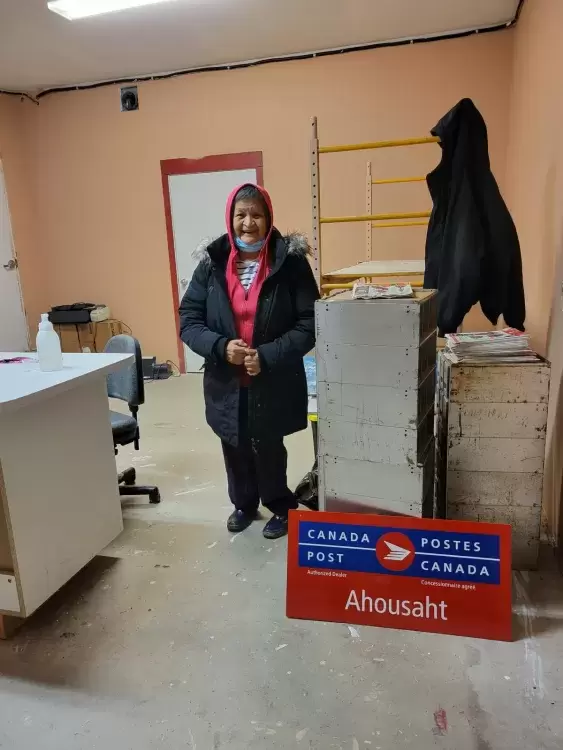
x: 506, y: 346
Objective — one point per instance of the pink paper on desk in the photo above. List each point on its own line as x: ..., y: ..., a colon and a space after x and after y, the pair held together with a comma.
x: 15, y: 360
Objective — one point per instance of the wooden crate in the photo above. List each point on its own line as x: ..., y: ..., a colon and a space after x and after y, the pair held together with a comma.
x: 355, y: 486
x: 490, y: 447
x: 375, y: 388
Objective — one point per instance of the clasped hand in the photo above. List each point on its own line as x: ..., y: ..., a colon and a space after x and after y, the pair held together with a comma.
x: 239, y: 353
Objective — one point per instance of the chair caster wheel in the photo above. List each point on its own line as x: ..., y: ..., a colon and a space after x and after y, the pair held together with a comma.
x: 154, y: 497
x: 129, y: 476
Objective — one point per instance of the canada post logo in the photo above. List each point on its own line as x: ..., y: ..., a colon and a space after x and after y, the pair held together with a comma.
x: 395, y: 551
x: 444, y: 555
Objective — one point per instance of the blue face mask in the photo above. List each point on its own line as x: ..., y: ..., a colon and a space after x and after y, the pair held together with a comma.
x: 244, y: 247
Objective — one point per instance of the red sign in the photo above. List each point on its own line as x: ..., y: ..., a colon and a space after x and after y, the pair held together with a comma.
x: 410, y: 573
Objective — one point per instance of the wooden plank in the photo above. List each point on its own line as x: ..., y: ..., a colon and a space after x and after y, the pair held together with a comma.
x: 366, y: 442
x: 494, y: 488
x: 9, y: 599
x: 519, y: 420
x: 6, y: 561
x: 349, y: 503
x: 393, y: 407
x: 383, y: 366
x: 427, y: 357
x: 334, y: 497
x: 366, y: 365
x: 378, y: 322
x: 525, y: 523
x: 428, y: 318
x: 376, y: 267
x: 525, y: 383
x: 442, y: 393
x: 9, y: 625
x: 496, y: 454
x: 378, y: 405
x: 394, y: 483
x: 521, y: 518
x: 525, y: 554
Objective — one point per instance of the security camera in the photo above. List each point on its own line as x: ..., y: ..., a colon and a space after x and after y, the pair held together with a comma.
x: 129, y: 99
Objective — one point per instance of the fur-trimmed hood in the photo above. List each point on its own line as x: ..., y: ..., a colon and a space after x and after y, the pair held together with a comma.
x: 213, y: 250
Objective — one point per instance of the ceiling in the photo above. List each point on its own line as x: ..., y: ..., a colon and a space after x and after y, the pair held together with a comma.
x: 39, y: 49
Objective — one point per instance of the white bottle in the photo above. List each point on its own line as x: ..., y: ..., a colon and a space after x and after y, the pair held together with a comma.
x: 48, y: 346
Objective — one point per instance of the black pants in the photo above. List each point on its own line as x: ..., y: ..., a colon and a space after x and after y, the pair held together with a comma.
x: 257, y: 470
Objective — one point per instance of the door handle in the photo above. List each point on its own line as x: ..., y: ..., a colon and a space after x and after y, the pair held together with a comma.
x: 11, y: 265
x: 184, y: 283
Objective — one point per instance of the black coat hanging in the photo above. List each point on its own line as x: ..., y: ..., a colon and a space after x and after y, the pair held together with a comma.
x: 472, y: 248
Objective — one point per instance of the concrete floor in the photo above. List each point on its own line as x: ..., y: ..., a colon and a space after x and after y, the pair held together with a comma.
x: 176, y: 638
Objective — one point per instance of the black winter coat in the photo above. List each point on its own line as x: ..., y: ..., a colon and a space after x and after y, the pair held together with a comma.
x: 472, y: 249
x: 284, y: 331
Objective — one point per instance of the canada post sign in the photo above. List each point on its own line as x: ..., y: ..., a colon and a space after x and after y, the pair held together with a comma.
x: 417, y: 574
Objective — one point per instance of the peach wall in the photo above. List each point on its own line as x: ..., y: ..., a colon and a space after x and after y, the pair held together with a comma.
x: 95, y: 171
x: 535, y: 196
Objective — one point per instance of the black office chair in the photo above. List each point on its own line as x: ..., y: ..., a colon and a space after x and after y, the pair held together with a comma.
x: 127, y: 384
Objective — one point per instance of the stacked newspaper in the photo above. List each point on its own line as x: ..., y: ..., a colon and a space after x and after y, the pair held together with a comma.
x: 503, y: 347
x: 361, y: 290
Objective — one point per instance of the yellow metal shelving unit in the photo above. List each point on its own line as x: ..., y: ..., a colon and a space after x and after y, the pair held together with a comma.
x: 344, y: 278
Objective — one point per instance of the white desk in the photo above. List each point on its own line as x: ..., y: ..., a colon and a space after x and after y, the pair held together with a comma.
x: 59, y: 498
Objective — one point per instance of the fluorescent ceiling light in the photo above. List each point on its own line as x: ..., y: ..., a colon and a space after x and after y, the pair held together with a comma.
x: 73, y: 9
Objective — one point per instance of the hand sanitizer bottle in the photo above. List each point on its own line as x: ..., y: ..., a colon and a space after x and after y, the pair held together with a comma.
x: 48, y: 346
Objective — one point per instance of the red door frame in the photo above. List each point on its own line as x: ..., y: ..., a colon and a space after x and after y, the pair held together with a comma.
x: 218, y: 163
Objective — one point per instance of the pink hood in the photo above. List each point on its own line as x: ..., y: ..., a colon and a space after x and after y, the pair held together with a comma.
x: 229, y: 212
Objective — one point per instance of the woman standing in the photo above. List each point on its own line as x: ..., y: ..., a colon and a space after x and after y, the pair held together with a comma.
x: 249, y: 311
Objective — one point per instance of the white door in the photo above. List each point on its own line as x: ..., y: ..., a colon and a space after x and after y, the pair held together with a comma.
x: 13, y: 326
x: 197, y: 203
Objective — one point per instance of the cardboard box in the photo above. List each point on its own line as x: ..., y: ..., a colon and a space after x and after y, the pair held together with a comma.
x: 69, y: 338
x: 92, y: 336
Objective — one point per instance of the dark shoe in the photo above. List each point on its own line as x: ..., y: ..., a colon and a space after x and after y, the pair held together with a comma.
x: 239, y: 520
x: 276, y: 527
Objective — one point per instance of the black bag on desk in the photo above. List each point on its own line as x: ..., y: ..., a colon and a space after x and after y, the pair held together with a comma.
x: 74, y: 314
